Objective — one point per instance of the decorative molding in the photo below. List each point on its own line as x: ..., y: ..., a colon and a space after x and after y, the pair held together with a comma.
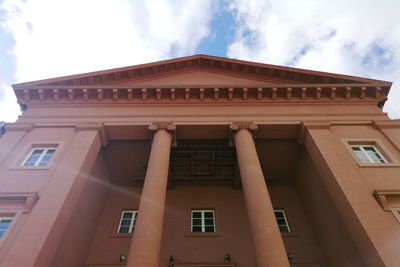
x: 393, y: 124
x: 306, y: 126
x: 28, y: 199
x: 241, y: 125
x: 238, y: 125
x: 95, y: 127
x: 383, y: 197
x: 218, y: 264
x: 168, y: 126
x: 235, y: 67
x: 53, y: 124
x: 19, y: 127
x: 210, y: 93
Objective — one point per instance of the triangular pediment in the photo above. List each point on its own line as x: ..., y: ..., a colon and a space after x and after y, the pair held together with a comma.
x: 197, y: 77
x: 201, y: 70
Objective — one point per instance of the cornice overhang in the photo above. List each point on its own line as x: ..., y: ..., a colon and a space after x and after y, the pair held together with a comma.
x: 121, y: 84
x: 203, y: 93
x: 290, y: 74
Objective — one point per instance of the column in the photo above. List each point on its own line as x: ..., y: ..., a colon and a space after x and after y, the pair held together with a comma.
x: 268, y: 244
x: 146, y: 241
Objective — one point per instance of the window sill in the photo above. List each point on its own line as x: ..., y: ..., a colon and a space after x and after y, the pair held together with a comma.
x: 291, y: 234
x: 219, y: 264
x: 116, y: 235
x: 379, y: 165
x: 199, y: 234
x: 29, y: 168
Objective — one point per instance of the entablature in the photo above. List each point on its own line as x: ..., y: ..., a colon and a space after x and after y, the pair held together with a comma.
x: 203, y: 93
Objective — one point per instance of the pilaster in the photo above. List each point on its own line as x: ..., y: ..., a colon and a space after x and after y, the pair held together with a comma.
x: 39, y: 238
x: 364, y: 219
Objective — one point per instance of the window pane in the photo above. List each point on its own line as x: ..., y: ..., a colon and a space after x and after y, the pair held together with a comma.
x: 196, y: 214
x: 196, y: 221
x: 374, y: 155
x: 127, y: 215
x: 209, y: 229
x: 46, y: 158
x: 209, y: 214
x: 4, y: 223
x: 284, y: 229
x: 281, y: 221
x: 125, y: 222
x: 362, y: 157
x: 37, y: 152
x: 209, y: 221
x: 50, y: 151
x: 33, y: 157
x: 123, y: 229
x: 368, y: 154
x: 203, y: 221
x: 196, y: 229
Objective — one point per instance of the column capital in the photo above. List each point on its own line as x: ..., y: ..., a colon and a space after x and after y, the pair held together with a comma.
x: 305, y: 126
x: 18, y: 127
x: 241, y: 125
x: 168, y: 126
x: 95, y: 127
x: 385, y: 124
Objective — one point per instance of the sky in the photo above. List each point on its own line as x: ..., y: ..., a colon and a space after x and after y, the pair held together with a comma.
x: 49, y: 38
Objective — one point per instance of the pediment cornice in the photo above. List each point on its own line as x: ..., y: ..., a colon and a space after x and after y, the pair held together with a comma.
x: 258, y: 82
x: 204, y: 93
x: 264, y: 72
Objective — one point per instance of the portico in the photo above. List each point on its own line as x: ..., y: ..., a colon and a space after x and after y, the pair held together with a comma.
x: 146, y: 243
x: 200, y: 161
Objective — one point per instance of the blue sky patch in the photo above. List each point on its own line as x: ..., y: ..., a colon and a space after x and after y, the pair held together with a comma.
x: 223, y: 25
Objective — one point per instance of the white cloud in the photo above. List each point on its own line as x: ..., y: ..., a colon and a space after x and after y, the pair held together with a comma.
x: 9, y: 108
x: 56, y: 38
x: 352, y: 37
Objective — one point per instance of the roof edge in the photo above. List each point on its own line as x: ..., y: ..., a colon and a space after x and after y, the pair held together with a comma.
x: 202, y: 56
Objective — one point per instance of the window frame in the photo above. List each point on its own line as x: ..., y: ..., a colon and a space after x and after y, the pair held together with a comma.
x: 380, y: 148
x: 132, y: 223
x: 6, y: 217
x: 37, y: 163
x: 14, y: 214
x: 287, y: 225
x: 380, y: 156
x: 203, y: 225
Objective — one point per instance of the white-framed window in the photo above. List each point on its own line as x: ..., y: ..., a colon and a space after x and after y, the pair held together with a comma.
x: 39, y: 156
x: 127, y: 222
x: 368, y: 154
x: 5, y: 223
x: 203, y: 221
x: 282, y: 221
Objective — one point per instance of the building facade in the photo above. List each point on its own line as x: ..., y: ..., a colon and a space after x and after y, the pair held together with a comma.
x: 201, y: 161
